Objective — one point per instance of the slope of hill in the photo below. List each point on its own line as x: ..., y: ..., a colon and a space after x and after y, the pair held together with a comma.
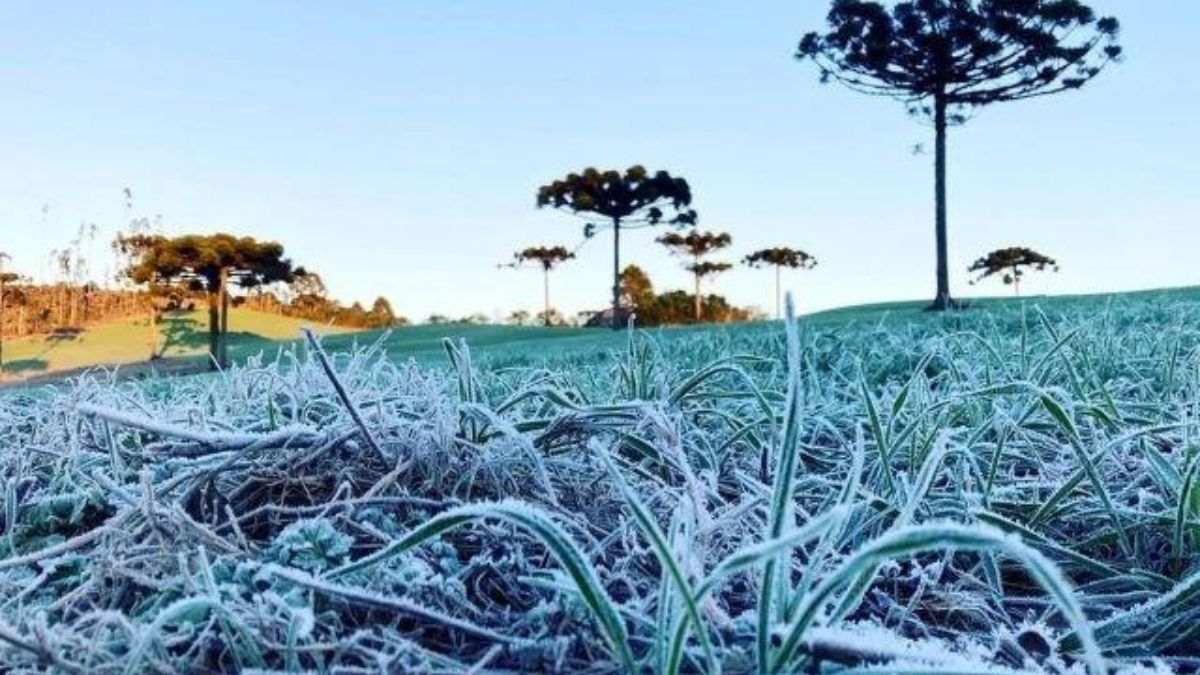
x: 182, y: 341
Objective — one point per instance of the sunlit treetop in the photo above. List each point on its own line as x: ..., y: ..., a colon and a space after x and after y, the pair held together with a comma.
x: 1011, y: 262
x: 972, y: 52
x: 635, y: 197
x: 546, y: 256
x: 203, y: 259
x: 781, y: 256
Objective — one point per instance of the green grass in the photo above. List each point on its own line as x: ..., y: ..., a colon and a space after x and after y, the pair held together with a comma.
x: 513, y: 346
x: 183, y: 337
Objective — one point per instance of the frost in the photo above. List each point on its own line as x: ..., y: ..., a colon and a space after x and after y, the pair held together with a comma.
x: 312, y: 544
x: 992, y: 491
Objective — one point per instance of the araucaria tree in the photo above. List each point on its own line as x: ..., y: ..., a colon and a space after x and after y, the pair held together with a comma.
x: 633, y: 199
x: 208, y: 263
x: 1012, y: 263
x: 695, y: 245
x: 701, y: 271
x: 779, y: 258
x: 945, y: 58
x: 546, y: 257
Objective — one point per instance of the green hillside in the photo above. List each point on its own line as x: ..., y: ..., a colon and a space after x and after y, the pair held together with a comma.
x: 521, y: 346
x: 183, y: 341
x: 183, y: 337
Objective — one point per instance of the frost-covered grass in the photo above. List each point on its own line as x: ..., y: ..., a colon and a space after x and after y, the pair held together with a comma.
x: 1002, y: 490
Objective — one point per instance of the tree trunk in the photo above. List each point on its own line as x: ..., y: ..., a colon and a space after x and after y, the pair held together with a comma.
x: 942, y: 300
x: 699, y: 307
x: 214, y: 327
x: 546, y: 294
x: 153, y: 324
x: 778, y: 315
x: 616, y: 290
x: 1016, y: 282
x: 224, y: 360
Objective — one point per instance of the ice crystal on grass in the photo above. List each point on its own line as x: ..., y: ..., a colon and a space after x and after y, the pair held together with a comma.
x: 312, y: 544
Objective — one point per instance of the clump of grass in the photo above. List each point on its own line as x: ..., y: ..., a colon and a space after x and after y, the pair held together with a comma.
x: 1006, y: 489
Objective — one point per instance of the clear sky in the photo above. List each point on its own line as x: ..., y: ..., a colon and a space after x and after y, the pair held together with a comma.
x: 397, y: 146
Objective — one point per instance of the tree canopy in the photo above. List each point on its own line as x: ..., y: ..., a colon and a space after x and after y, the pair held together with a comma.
x: 780, y: 256
x: 971, y: 52
x: 548, y: 257
x: 633, y: 197
x: 1012, y: 263
x: 708, y: 268
x: 636, y: 288
x: 695, y: 243
x: 207, y: 259
x: 672, y: 307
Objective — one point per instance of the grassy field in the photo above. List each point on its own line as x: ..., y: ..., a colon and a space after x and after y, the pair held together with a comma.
x: 1014, y: 488
x: 182, y: 337
x: 183, y: 340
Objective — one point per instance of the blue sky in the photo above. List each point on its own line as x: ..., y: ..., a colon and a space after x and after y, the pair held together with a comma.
x: 396, y: 147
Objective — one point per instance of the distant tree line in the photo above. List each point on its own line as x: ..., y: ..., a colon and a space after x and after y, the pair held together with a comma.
x: 39, y: 309
x: 674, y: 307
x: 306, y: 298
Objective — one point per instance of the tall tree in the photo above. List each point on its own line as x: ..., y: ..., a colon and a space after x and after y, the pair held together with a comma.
x: 779, y: 258
x: 1011, y: 262
x: 945, y: 58
x: 696, y: 245
x: 701, y: 271
x: 629, y: 200
x: 208, y: 263
x: 546, y: 257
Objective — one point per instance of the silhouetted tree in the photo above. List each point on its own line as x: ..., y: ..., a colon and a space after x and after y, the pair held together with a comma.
x: 546, y: 257
x: 701, y: 271
x: 627, y: 200
x: 208, y: 263
x: 944, y: 58
x: 779, y: 258
x: 695, y: 245
x: 1012, y: 263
